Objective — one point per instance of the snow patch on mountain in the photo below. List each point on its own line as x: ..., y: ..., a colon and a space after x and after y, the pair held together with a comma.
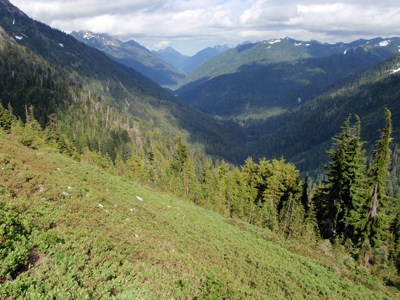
x: 384, y: 43
x: 18, y: 37
x: 271, y: 42
x: 395, y: 71
x: 61, y: 45
x: 298, y: 44
x: 88, y: 35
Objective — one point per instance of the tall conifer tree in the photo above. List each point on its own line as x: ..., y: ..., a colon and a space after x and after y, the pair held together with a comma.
x: 374, y: 222
x: 344, y: 186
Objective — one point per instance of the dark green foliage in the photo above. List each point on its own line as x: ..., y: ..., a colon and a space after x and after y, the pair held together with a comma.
x: 180, y: 157
x: 15, y: 243
x: 6, y: 118
x: 344, y: 188
x: 353, y: 207
x: 374, y: 220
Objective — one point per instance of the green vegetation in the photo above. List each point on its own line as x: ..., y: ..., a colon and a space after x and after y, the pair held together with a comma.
x: 353, y: 207
x: 96, y: 235
x: 87, y: 220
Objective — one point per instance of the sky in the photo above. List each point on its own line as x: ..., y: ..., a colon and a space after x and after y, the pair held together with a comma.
x: 191, y: 25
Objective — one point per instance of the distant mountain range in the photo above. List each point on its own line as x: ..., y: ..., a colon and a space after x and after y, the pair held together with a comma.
x: 256, y: 81
x: 165, y: 67
x: 251, y: 55
x: 190, y: 64
x: 133, y: 55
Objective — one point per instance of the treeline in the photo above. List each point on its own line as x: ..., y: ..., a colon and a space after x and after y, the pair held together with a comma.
x: 351, y: 207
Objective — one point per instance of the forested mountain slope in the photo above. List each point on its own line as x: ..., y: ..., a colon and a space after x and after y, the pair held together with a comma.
x: 253, y: 92
x: 304, y: 134
x: 76, y: 72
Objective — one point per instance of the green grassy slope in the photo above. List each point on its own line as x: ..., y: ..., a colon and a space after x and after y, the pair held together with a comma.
x: 99, y: 236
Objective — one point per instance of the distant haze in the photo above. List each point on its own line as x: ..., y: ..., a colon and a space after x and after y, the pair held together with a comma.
x: 189, y: 26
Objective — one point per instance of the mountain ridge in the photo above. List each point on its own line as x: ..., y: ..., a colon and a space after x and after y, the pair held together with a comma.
x: 133, y: 55
x: 276, y: 51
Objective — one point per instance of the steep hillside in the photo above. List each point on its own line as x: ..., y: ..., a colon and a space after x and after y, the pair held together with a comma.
x: 62, y: 50
x: 256, y: 92
x: 83, y: 72
x: 304, y: 134
x: 133, y: 55
x: 82, y: 233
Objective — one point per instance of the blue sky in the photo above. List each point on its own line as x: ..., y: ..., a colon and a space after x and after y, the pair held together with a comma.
x: 189, y: 26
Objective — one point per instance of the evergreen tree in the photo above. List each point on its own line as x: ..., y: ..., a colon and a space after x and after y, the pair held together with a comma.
x: 180, y: 157
x: 6, y: 118
x: 343, y: 189
x: 357, y: 181
x: 305, y: 201
x: 374, y: 222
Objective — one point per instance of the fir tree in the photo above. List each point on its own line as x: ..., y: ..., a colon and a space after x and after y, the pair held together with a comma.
x: 374, y: 222
x: 6, y: 118
x: 343, y: 189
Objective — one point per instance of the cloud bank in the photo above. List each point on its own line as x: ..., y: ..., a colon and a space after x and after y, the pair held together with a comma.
x: 195, y: 24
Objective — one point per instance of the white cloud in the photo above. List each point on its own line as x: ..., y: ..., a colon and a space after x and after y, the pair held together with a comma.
x: 193, y: 24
